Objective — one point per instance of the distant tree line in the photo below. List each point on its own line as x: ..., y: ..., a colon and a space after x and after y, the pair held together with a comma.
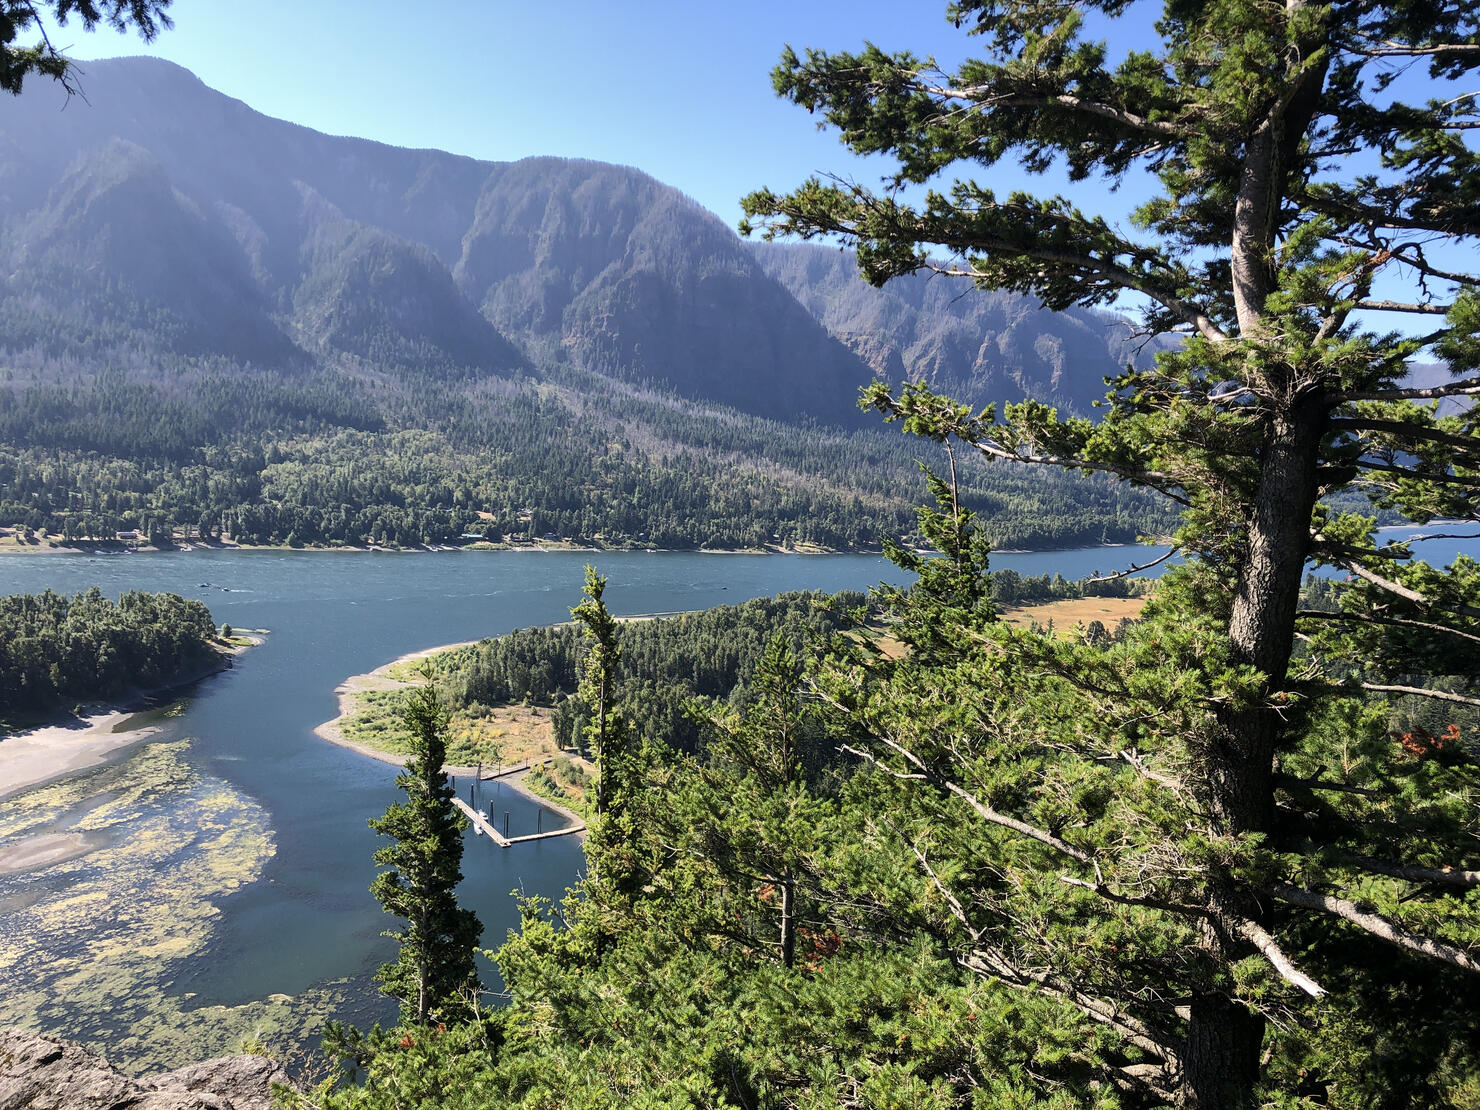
x: 60, y: 651
x: 1011, y: 588
x: 267, y: 459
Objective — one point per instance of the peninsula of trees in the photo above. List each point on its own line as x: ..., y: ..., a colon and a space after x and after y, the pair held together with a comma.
x: 58, y: 651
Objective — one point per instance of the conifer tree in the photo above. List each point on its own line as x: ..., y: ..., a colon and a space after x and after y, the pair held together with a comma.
x: 148, y: 17
x: 613, y: 871
x: 434, y: 973
x: 1200, y: 850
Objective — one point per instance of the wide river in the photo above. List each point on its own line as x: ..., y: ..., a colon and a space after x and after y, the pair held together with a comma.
x: 220, y: 894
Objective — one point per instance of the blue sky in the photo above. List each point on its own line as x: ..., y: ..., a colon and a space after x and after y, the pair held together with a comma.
x: 681, y: 90
x: 678, y: 88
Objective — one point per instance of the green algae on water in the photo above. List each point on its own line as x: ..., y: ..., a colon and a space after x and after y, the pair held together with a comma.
x: 91, y: 944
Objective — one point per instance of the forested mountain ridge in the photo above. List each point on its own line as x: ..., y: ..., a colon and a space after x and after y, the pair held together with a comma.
x: 246, y: 233
x: 214, y: 320
x: 988, y: 346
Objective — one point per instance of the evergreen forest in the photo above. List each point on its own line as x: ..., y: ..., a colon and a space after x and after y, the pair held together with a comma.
x: 268, y: 460
x: 58, y: 651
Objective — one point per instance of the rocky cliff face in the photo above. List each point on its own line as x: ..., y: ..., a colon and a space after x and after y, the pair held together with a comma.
x: 38, y: 1072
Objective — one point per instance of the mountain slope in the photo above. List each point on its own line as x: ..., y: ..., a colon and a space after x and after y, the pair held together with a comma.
x: 213, y: 320
x: 575, y: 261
x: 975, y: 345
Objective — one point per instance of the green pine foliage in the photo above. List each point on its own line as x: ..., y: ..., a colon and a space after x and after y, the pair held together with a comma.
x: 667, y: 662
x: 1199, y: 843
x: 1192, y: 865
x: 433, y: 975
x: 26, y: 17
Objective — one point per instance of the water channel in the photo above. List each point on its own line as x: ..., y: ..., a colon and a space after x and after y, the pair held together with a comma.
x: 220, y: 894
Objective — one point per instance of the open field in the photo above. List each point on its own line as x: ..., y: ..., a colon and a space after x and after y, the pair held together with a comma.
x: 1067, y: 614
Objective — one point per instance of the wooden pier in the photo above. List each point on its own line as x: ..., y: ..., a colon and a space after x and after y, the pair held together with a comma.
x: 485, y: 826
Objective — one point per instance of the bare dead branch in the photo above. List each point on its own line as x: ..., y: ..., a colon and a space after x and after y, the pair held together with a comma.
x: 1134, y: 568
x: 1400, y: 306
x: 1375, y: 924
x: 1164, y: 483
x: 1461, y: 388
x: 983, y: 96
x: 1420, y: 692
x: 1260, y: 938
x: 980, y: 808
x: 1404, y: 592
x: 1444, y: 876
x: 985, y: 961
x: 1410, y: 431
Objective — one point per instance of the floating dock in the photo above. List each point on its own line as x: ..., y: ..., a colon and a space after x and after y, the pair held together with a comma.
x: 485, y: 826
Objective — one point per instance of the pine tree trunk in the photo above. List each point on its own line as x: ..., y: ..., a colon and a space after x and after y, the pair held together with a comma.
x: 1221, y: 1053
x: 1220, y: 1059
x: 788, y: 922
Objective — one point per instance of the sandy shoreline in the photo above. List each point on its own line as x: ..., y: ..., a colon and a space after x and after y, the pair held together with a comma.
x: 35, y: 756
x: 40, y: 755
x: 380, y: 679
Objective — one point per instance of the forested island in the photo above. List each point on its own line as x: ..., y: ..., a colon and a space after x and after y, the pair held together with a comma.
x: 58, y: 652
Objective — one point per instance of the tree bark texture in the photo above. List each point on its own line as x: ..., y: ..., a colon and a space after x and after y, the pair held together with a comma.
x: 1220, y: 1061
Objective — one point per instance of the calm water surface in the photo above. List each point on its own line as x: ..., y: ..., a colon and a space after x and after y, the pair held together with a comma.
x: 238, y: 840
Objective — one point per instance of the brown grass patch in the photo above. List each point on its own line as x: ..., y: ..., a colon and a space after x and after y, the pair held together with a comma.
x: 508, y: 734
x: 1068, y: 614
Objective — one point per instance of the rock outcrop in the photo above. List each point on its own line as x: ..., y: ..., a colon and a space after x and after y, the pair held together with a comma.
x: 38, y: 1072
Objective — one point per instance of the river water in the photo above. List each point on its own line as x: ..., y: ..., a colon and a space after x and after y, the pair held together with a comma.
x: 225, y: 896
x: 221, y: 897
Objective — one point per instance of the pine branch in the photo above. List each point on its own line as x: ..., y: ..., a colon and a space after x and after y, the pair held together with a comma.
x: 1397, y: 622
x: 983, y: 96
x: 1162, y: 483
x: 1375, y: 924
x: 980, y: 808
x: 1373, y: 217
x: 1417, y: 475
x: 1404, y: 429
x: 1261, y: 939
x: 1421, y: 692
x: 1315, y: 782
x: 1391, y: 49
x: 1402, y: 306
x: 1444, y: 876
x: 992, y: 960
x: 1133, y: 568
x: 1462, y: 388
x: 1407, y: 594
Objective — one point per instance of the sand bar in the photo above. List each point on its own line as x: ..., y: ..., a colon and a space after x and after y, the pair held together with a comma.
x: 31, y: 757
x: 36, y: 852
x: 40, y: 755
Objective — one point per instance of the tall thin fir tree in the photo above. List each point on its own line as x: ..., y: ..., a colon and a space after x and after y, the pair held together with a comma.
x: 612, y: 870
x: 434, y: 974
x: 1201, y: 850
